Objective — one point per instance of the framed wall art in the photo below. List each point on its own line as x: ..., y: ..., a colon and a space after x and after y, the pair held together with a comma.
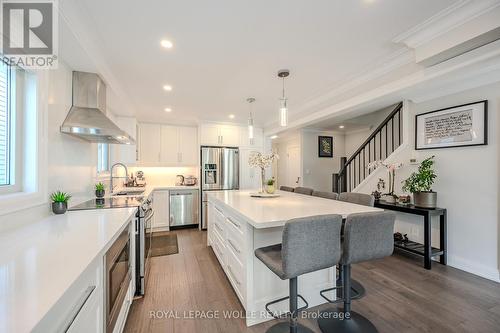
x: 457, y: 126
x: 325, y: 146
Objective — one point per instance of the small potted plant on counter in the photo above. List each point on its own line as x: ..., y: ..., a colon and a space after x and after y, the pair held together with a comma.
x: 270, y: 189
x: 60, y: 202
x: 420, y: 184
x: 99, y: 190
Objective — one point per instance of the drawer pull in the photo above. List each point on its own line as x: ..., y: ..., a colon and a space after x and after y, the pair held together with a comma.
x: 234, y: 223
x: 234, y: 276
x: 233, y: 246
x: 78, y: 307
x: 218, y: 227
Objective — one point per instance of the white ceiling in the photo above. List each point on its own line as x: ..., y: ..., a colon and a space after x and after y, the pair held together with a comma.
x: 225, y: 50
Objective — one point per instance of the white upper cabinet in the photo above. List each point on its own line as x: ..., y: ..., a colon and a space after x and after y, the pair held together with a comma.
x: 229, y: 135
x: 188, y: 146
x: 149, y: 143
x: 169, y: 146
x: 220, y: 135
x: 166, y: 145
x: 250, y: 177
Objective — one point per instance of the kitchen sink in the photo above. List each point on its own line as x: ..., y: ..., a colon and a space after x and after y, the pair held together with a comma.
x: 129, y: 192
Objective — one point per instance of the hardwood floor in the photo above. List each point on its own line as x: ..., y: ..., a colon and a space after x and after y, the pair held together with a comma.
x: 401, y: 296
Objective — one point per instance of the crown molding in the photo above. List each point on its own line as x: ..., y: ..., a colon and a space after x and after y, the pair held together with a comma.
x: 451, y: 17
x: 393, y: 61
x: 478, y: 66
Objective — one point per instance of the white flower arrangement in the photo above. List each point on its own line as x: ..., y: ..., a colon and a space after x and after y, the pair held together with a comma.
x: 391, y: 168
x: 263, y: 161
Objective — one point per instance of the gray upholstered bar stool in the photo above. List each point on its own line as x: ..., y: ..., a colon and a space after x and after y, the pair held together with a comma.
x: 367, y: 236
x: 286, y: 188
x: 304, y: 190
x: 357, y: 288
x: 357, y: 198
x: 326, y: 195
x: 308, y: 244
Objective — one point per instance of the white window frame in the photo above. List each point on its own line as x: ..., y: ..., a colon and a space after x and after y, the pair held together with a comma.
x: 32, y: 162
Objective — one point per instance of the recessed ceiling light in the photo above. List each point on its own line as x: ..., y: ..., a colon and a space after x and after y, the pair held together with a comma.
x: 166, y: 44
x: 341, y: 126
x: 168, y: 110
x: 274, y: 137
x: 167, y: 87
x: 231, y: 116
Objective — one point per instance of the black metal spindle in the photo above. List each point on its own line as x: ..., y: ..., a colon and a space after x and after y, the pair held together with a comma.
x: 392, y: 132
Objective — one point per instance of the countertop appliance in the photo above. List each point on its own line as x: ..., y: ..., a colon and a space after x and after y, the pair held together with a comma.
x: 118, y: 276
x: 179, y: 180
x: 183, y: 208
x: 219, y: 171
x: 143, y: 230
x: 190, y: 181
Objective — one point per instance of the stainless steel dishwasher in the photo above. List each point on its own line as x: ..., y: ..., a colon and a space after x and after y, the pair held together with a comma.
x: 183, y: 208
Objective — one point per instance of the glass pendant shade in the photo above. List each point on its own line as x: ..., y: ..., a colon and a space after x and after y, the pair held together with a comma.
x: 283, y: 114
x: 250, y: 128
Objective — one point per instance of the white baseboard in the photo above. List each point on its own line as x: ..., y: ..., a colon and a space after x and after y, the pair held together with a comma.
x: 474, y: 268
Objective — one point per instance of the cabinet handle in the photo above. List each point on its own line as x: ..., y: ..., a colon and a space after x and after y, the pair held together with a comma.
x: 218, y: 227
x: 233, y: 246
x: 234, y: 223
x: 232, y: 274
x: 78, y: 307
x: 221, y: 139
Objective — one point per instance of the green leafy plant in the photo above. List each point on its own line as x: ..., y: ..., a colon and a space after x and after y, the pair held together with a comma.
x: 422, y: 180
x: 60, y: 197
x: 270, y: 182
x: 99, y: 187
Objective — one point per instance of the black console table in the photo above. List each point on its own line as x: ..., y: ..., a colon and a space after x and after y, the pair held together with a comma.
x: 425, y: 250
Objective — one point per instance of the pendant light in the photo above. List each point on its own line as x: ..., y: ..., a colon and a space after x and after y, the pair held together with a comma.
x: 250, y: 100
x: 283, y: 101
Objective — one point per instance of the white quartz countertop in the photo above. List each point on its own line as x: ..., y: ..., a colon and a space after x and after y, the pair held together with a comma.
x: 40, y: 261
x: 274, y: 212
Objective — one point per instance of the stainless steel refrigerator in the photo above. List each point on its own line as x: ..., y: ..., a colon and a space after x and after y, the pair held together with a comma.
x: 219, y: 171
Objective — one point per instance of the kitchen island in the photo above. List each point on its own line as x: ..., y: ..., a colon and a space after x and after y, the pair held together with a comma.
x: 238, y: 224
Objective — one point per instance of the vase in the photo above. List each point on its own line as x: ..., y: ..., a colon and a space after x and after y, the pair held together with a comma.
x: 263, y: 180
x: 99, y: 193
x: 59, y: 207
x: 425, y: 199
x: 270, y: 189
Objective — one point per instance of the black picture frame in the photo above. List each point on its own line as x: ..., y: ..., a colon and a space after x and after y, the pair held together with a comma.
x: 325, y: 146
x: 483, y: 138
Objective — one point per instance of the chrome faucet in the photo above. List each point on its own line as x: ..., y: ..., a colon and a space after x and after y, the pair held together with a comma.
x: 111, y: 174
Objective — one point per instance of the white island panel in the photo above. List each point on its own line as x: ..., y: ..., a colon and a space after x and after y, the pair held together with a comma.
x: 238, y: 224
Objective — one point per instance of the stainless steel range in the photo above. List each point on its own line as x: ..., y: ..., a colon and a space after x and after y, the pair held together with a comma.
x: 143, y: 230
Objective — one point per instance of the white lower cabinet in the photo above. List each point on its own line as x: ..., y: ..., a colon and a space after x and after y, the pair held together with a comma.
x: 82, y: 308
x: 227, y: 236
x: 161, y: 202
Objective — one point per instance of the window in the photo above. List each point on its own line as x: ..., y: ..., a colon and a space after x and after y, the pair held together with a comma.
x: 4, y: 126
x: 102, y: 157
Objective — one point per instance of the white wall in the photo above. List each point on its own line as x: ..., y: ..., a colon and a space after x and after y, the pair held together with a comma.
x: 71, y: 161
x: 317, y: 171
x: 467, y: 185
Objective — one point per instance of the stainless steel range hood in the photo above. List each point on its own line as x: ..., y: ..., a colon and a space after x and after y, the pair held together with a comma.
x: 87, y: 117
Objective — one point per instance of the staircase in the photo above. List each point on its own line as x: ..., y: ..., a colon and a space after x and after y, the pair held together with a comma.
x: 378, y: 146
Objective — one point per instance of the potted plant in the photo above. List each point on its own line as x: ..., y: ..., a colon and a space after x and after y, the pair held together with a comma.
x: 99, y: 190
x: 60, y: 202
x: 420, y: 184
x: 262, y: 161
x: 270, y: 186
